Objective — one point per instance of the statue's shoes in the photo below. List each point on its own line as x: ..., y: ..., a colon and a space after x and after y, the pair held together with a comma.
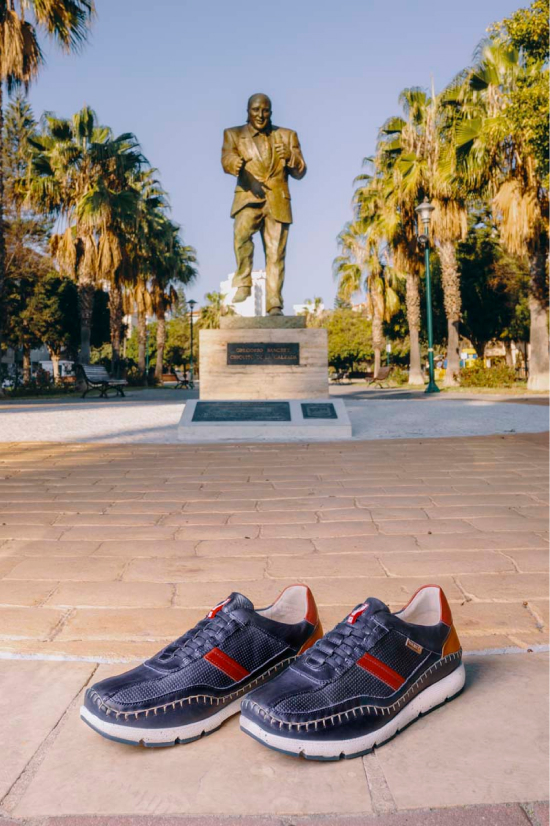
x: 362, y: 683
x: 241, y: 295
x: 275, y: 311
x: 190, y: 687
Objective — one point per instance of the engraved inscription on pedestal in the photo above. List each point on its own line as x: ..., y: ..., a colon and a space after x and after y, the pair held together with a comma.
x: 319, y: 411
x: 263, y: 353
x: 242, y: 412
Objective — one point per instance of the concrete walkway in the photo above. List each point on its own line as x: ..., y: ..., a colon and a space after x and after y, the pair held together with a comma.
x: 108, y: 551
x: 152, y: 416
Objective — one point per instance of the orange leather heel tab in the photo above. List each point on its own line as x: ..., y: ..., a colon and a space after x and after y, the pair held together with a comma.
x: 312, y: 614
x: 452, y: 643
x: 317, y: 634
x: 445, y: 615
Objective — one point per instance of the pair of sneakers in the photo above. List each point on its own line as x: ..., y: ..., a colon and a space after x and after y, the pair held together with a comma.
x: 321, y: 697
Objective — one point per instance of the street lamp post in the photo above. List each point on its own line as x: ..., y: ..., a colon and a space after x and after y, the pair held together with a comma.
x: 424, y: 212
x: 191, y: 304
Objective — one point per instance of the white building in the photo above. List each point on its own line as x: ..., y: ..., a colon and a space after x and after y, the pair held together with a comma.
x: 254, y: 305
x: 308, y: 307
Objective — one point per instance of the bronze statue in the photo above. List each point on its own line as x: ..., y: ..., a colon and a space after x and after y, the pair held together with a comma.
x: 261, y: 156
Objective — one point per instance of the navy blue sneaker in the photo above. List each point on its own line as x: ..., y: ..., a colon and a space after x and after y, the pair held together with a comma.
x: 190, y: 687
x: 358, y: 686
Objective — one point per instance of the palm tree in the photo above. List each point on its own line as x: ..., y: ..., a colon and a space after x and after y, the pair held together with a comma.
x: 66, y: 22
x: 86, y: 177
x: 417, y: 145
x: 398, y: 217
x: 495, y: 153
x: 212, y: 312
x: 359, y: 265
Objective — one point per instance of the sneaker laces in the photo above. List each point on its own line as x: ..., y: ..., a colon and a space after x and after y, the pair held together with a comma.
x: 206, y: 631
x: 339, y: 644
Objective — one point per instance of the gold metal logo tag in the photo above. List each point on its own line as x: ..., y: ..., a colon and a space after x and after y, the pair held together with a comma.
x: 414, y: 646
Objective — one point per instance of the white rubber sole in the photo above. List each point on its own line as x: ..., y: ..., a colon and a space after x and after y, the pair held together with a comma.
x: 424, y: 702
x: 171, y: 736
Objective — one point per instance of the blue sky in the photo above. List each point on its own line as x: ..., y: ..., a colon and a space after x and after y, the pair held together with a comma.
x: 176, y: 73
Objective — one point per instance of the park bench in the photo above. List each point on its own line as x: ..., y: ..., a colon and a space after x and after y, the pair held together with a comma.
x: 181, y: 379
x: 96, y: 377
x: 383, y: 375
x: 339, y: 377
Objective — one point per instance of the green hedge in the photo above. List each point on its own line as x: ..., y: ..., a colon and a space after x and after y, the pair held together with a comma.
x: 500, y: 375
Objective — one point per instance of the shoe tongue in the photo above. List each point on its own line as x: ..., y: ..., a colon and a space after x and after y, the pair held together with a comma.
x: 362, y: 612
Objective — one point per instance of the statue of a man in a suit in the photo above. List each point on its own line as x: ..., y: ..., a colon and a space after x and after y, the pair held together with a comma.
x: 261, y: 156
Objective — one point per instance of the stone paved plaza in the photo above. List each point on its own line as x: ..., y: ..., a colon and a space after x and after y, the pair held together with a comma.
x: 107, y: 551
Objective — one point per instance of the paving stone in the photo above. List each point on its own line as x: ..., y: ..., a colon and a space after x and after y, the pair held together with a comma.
x: 63, y: 568
x: 111, y: 595
x: 418, y: 527
x: 505, y: 586
x: 509, y: 523
x: 45, y: 688
x: 482, y: 541
x: 46, y: 548
x: 467, y: 751
x: 227, y: 532
x: 138, y: 624
x: 434, y: 563
x: 227, y: 506
x: 71, y: 779
x: 395, y: 501
x: 7, y: 564
x: 25, y: 593
x: 205, y: 595
x: 384, y: 514
x: 195, y: 569
x: 28, y: 623
x: 309, y: 503
x: 540, y: 608
x: 468, y: 511
x: 489, y: 498
x: 187, y: 519
x: 146, y: 548
x: 29, y: 532
x: 371, y: 544
x: 540, y: 810
x: 110, y: 532
x: 105, y: 520
x: 254, y: 547
x: 495, y: 617
x: 311, y: 567
x: 273, y: 517
x: 27, y: 518
x: 320, y: 530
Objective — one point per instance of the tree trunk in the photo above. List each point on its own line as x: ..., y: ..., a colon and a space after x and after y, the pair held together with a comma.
x: 508, y: 354
x: 115, y: 323
x: 55, y: 366
x: 142, y: 338
x: 450, y: 278
x: 538, y: 334
x: 377, y: 342
x: 161, y: 341
x: 26, y: 364
x: 86, y: 292
x: 2, y: 232
x: 413, y: 319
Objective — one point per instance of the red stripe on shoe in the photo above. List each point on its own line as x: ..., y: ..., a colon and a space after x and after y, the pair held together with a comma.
x: 380, y: 670
x: 226, y: 664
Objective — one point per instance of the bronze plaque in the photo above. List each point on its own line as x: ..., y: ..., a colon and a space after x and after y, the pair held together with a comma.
x: 318, y: 410
x: 262, y: 353
x: 242, y: 412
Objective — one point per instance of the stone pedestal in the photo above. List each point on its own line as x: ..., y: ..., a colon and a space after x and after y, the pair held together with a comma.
x: 263, y: 358
x: 264, y: 380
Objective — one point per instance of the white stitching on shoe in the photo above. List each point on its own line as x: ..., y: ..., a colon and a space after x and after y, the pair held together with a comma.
x: 197, y: 698
x: 368, y: 709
